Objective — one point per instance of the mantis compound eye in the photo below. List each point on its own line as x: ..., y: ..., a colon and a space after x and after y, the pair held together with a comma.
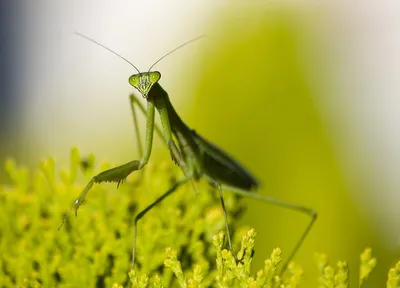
x: 134, y: 80
x: 155, y: 76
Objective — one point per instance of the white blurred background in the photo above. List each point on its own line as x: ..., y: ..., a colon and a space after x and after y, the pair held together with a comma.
x: 77, y: 92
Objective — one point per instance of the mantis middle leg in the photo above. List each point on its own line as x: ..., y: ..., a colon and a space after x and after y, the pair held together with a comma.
x: 142, y: 213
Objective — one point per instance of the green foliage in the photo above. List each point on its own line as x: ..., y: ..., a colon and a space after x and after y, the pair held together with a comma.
x: 368, y: 263
x: 394, y: 277
x: 180, y: 243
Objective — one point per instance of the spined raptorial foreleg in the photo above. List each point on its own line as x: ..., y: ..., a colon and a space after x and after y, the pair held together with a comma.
x: 119, y: 174
x: 116, y: 175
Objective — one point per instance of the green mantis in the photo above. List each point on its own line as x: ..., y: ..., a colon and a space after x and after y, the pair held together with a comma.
x: 195, y: 156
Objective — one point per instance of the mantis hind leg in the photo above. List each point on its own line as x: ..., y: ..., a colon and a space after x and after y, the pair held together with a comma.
x: 313, y: 214
x: 221, y: 197
x: 142, y: 213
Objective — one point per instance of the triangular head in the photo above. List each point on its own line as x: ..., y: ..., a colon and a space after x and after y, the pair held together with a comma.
x: 144, y: 81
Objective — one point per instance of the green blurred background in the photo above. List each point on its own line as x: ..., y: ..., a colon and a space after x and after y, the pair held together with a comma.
x: 279, y: 86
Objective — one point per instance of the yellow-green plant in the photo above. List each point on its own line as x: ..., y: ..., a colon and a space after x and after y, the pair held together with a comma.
x: 179, y: 244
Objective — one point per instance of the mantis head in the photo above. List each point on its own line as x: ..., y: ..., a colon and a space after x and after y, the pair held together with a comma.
x: 144, y: 81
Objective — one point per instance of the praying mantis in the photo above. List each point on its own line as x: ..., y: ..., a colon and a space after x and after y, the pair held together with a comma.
x: 194, y: 155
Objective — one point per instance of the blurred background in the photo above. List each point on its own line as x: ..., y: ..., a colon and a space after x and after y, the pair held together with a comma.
x: 305, y: 94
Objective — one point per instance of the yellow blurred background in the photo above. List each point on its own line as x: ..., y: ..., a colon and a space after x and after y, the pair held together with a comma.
x: 305, y: 95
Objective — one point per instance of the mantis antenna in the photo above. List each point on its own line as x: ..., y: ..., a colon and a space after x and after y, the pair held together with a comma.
x: 105, y: 47
x: 177, y: 48
x: 126, y: 60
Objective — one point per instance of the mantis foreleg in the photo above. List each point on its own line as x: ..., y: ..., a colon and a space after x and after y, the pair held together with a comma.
x: 136, y: 102
x: 119, y: 174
